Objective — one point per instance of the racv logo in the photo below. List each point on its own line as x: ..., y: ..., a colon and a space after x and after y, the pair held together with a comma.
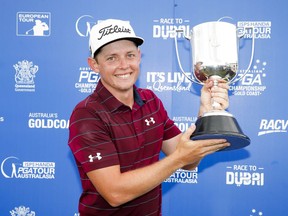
x: 268, y: 126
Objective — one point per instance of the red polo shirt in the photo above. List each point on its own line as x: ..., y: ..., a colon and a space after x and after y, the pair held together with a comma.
x: 104, y: 132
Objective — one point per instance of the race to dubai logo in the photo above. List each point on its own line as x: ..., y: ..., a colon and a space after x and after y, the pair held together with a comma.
x: 165, y: 27
x: 246, y: 175
x: 33, y: 24
x: 22, y: 211
x: 24, y: 76
x: 12, y: 168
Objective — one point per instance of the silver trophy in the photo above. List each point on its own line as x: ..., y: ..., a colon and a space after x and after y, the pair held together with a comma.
x: 215, y: 48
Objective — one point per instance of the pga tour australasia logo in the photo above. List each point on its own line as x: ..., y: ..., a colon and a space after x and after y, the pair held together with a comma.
x: 33, y: 24
x: 24, y: 75
x: 12, y: 167
x: 184, y: 177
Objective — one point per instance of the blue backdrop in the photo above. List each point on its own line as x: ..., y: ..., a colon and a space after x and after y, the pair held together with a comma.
x: 44, y: 73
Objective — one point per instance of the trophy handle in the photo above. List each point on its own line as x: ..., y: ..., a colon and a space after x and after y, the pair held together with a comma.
x: 192, y: 78
x: 234, y: 80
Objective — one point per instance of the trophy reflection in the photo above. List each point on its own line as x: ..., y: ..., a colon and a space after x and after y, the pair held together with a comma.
x: 215, y: 48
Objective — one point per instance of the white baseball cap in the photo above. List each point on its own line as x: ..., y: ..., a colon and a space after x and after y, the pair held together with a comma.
x: 111, y: 30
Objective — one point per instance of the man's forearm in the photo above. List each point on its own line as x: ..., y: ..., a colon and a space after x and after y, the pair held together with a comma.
x: 132, y: 184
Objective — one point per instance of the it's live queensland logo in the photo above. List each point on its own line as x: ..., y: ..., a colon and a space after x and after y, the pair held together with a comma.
x: 13, y: 167
x: 160, y: 81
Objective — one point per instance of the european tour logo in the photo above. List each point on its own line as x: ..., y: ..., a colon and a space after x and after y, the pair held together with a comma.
x: 33, y: 24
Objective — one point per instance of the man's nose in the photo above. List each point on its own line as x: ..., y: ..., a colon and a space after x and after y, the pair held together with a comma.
x: 123, y: 63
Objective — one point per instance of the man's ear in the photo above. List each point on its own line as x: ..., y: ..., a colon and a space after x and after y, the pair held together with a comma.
x: 93, y: 64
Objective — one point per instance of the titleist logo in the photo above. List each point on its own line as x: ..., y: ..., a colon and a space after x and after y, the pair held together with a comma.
x: 110, y: 30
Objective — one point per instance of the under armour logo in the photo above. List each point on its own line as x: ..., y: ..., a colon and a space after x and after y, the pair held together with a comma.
x: 150, y: 121
x: 98, y: 156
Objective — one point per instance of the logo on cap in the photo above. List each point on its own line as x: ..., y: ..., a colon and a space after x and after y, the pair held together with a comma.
x: 111, y: 30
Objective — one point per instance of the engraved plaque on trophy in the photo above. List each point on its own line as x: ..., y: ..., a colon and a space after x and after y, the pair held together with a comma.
x: 215, y: 48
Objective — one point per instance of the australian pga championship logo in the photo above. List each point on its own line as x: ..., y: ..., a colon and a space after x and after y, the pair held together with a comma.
x: 87, y: 81
x: 11, y: 167
x: 252, y: 83
x: 33, y: 24
x: 24, y: 76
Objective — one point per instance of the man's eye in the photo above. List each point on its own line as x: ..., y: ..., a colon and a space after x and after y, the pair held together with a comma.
x: 110, y: 58
x: 131, y: 55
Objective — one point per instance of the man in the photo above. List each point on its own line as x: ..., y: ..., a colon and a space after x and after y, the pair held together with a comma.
x: 117, y: 133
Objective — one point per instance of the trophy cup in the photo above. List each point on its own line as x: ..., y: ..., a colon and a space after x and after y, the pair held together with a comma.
x: 215, y: 48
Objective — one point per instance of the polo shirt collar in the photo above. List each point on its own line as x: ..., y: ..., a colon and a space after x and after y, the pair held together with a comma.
x: 113, y: 103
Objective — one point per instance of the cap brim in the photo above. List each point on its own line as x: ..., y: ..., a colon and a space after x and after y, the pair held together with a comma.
x: 137, y: 40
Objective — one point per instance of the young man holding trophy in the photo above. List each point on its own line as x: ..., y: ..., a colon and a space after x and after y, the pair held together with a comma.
x: 117, y: 133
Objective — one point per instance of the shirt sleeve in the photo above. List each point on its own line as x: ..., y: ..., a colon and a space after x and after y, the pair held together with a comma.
x: 90, y: 142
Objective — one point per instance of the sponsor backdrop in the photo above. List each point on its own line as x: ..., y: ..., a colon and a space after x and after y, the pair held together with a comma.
x: 44, y: 73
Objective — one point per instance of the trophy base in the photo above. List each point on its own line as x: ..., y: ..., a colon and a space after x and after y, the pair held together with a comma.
x: 220, y: 125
